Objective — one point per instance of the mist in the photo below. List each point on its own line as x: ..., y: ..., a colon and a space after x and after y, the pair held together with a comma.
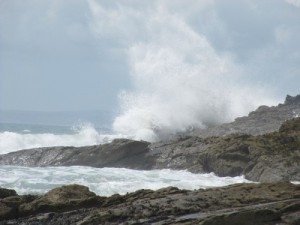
x: 181, y: 83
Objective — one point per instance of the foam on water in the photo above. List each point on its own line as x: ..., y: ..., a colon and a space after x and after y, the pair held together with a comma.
x: 105, y: 181
x: 82, y: 136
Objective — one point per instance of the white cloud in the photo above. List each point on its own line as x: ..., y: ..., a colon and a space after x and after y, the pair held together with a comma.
x: 294, y: 2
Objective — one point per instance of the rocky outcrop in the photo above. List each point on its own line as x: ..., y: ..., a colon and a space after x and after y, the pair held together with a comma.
x: 119, y: 153
x: 265, y: 158
x: 261, y: 121
x: 65, y: 198
x: 268, y: 203
x: 274, y: 156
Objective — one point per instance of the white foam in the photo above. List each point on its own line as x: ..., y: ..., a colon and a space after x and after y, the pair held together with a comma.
x: 105, y: 181
x: 181, y: 82
x: 85, y: 135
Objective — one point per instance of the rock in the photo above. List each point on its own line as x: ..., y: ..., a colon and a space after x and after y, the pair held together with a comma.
x: 261, y: 121
x: 61, y: 199
x: 292, y: 100
x: 262, y: 216
x: 4, y: 193
x: 119, y: 153
x: 267, y: 203
x: 10, y: 201
x: 265, y: 158
x: 291, y: 214
x: 268, y: 157
x: 290, y: 126
x: 65, y: 198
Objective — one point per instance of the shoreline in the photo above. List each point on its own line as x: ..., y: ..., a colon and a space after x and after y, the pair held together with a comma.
x: 271, y: 158
x: 264, y: 203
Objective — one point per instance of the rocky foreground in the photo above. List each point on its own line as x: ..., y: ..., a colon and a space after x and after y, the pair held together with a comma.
x: 247, y: 204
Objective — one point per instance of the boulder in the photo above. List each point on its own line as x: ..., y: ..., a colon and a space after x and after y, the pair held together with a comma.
x: 61, y: 199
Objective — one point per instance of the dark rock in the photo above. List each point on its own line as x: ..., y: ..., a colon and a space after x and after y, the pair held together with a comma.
x: 10, y: 202
x: 265, y: 158
x: 61, y: 199
x: 262, y: 216
x: 292, y: 100
x: 119, y: 153
x: 4, y: 193
x: 267, y: 203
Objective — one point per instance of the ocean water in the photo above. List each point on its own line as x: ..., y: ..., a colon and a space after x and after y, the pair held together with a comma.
x: 15, y: 137
x: 103, y: 181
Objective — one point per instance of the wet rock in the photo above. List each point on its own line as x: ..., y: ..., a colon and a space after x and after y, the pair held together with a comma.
x: 267, y: 203
x: 119, y: 153
x: 61, y: 199
x: 270, y: 157
x: 4, y: 193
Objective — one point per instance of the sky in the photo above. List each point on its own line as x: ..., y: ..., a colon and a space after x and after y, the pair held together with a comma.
x: 60, y: 55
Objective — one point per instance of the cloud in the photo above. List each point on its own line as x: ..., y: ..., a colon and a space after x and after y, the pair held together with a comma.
x: 294, y: 2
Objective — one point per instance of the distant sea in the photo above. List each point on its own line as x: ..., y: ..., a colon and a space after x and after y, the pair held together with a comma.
x: 32, y: 129
x: 40, y: 131
x: 24, y: 136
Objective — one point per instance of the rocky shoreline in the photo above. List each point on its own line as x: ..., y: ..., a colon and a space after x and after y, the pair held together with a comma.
x: 265, y: 158
x: 264, y: 147
x: 268, y: 157
x: 266, y: 203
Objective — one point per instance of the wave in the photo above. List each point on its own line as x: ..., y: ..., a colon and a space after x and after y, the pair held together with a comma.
x: 84, y: 135
x: 106, y: 181
x: 182, y: 82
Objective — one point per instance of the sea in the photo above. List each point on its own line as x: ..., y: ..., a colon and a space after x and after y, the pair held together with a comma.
x: 102, y: 181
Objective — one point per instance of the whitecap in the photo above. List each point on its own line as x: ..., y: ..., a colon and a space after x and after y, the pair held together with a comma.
x: 106, y: 181
x: 85, y: 135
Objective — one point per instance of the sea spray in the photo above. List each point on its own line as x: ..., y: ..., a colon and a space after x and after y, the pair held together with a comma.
x: 82, y: 135
x: 181, y: 82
